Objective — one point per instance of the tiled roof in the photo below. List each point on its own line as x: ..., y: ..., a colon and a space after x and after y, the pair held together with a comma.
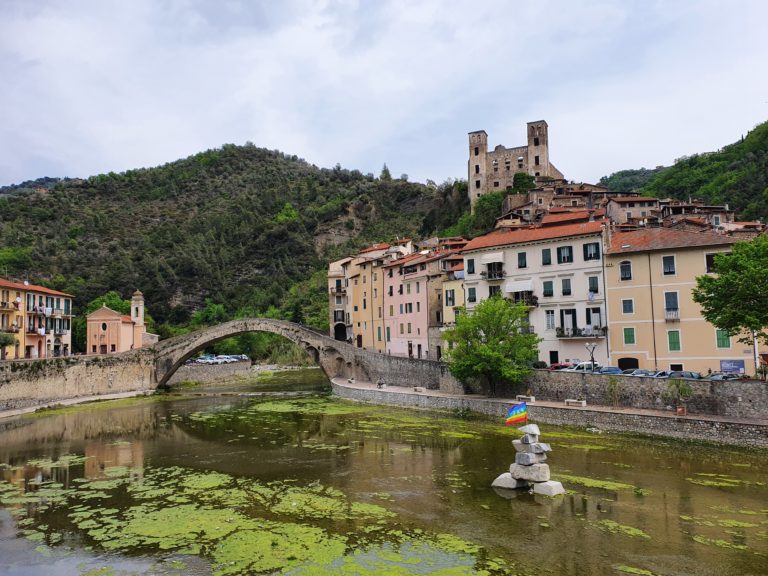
x: 32, y: 288
x: 565, y: 217
x: 403, y: 260
x: 663, y: 239
x: 503, y: 237
x: 374, y: 248
x: 622, y: 199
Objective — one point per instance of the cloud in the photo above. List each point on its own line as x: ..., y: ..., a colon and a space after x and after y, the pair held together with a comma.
x: 96, y: 86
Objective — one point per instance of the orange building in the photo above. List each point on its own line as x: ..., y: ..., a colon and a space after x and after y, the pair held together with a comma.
x: 111, y: 332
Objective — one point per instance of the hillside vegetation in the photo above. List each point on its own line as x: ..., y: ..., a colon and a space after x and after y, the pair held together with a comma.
x: 736, y: 175
x: 229, y: 232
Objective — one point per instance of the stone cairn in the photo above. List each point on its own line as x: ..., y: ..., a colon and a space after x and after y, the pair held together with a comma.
x: 529, y: 467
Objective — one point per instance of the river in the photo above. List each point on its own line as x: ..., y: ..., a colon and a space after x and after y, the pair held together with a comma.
x: 275, y: 476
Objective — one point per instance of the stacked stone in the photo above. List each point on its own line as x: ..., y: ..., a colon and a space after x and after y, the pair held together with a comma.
x: 529, y: 466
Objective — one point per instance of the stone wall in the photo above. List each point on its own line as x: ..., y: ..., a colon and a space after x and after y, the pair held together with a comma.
x: 734, y: 399
x: 721, y: 432
x: 210, y: 372
x: 33, y: 383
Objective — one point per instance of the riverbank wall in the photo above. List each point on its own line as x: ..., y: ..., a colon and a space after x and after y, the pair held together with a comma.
x: 719, y: 430
x: 30, y: 384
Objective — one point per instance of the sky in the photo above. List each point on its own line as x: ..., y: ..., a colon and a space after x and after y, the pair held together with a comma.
x: 93, y: 86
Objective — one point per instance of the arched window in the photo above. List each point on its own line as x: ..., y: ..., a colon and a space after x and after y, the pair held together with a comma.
x: 103, y: 326
x: 626, y: 270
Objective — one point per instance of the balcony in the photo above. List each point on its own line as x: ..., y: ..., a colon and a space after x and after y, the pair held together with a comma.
x: 60, y: 332
x: 58, y: 312
x: 40, y: 310
x: 493, y: 275
x: 672, y: 314
x: 338, y: 290
x: 525, y: 298
x: 338, y: 316
x: 9, y: 329
x: 586, y: 332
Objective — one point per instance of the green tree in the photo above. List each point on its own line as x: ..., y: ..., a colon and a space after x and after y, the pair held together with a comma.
x: 736, y: 298
x: 385, y: 173
x: 492, y: 343
x: 522, y: 182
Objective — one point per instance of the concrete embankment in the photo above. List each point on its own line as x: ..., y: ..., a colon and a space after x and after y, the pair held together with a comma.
x: 720, y: 430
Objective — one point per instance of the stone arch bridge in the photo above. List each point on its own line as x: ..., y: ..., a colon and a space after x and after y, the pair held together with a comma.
x: 336, y: 358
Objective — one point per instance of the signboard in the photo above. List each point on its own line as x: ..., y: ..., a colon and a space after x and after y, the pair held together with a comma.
x: 732, y: 366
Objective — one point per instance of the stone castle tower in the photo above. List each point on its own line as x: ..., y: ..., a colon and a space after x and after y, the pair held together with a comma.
x: 495, y: 170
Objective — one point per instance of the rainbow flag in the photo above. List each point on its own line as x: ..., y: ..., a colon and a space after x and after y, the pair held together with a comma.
x: 517, y: 414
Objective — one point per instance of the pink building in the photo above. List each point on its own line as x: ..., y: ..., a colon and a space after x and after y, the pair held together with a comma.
x: 110, y: 332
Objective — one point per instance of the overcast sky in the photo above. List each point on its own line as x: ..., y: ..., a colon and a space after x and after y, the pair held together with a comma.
x: 91, y: 86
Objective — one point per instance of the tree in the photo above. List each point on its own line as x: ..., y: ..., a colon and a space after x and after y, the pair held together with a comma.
x: 736, y: 299
x: 522, y: 182
x: 385, y: 173
x: 493, y: 343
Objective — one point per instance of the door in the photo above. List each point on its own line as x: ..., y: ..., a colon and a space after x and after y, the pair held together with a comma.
x: 627, y: 363
x: 418, y: 350
x: 340, y: 332
x: 359, y: 340
x: 410, y: 349
x: 554, y: 357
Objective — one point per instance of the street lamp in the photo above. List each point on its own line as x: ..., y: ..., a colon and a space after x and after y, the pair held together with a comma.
x: 590, y: 346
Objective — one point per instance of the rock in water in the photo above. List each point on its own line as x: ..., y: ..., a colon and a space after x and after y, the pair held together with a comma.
x: 506, y: 481
x: 532, y: 473
x: 530, y: 429
x: 528, y: 458
x: 537, y: 448
x: 548, y: 488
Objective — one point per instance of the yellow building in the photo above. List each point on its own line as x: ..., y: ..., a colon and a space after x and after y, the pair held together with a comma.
x: 653, y: 322
x: 12, y: 318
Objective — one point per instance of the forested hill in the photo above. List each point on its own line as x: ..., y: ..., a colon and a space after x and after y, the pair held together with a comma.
x: 242, y: 226
x: 736, y: 175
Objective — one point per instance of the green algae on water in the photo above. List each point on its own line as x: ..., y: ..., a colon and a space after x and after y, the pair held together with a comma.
x: 632, y: 570
x: 595, y: 483
x: 616, y: 528
x: 719, y: 543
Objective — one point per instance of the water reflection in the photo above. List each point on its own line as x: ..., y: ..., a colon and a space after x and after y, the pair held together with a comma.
x: 634, y: 504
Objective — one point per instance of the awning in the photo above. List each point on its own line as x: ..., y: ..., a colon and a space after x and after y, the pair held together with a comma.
x: 519, y: 286
x: 493, y: 257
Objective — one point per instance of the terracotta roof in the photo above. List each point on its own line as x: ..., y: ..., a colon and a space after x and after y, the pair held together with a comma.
x: 458, y: 266
x: 374, y: 248
x: 502, y: 237
x: 32, y: 288
x: 403, y: 260
x: 662, y: 239
x: 126, y: 319
x: 621, y: 199
x: 564, y: 217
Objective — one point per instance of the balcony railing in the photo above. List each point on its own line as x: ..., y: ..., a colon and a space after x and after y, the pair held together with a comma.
x: 495, y: 275
x: 40, y: 310
x: 60, y: 332
x: 338, y: 290
x: 586, y: 332
x: 58, y: 312
x: 672, y: 314
x: 9, y: 329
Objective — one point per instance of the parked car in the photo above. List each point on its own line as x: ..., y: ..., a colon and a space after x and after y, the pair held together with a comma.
x: 583, y: 367
x: 225, y: 359
x: 205, y: 359
x: 610, y: 370
x: 639, y: 372
x: 686, y: 374
x: 724, y: 376
x: 560, y: 366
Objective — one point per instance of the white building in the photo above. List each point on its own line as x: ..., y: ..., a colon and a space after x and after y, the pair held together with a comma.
x: 558, y: 271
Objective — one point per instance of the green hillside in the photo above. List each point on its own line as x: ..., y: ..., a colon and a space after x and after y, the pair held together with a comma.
x: 243, y: 229
x: 736, y: 175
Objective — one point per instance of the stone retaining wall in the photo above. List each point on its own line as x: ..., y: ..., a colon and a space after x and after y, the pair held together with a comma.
x: 734, y: 399
x: 211, y: 372
x: 34, y: 383
x: 743, y: 434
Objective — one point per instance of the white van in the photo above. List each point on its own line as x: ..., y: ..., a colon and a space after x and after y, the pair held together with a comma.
x: 583, y: 367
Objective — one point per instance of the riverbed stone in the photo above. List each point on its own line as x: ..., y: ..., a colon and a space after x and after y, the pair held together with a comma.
x: 530, y: 429
x: 537, y: 448
x: 505, y: 480
x: 532, y: 473
x: 548, y: 488
x: 530, y: 439
x: 528, y: 458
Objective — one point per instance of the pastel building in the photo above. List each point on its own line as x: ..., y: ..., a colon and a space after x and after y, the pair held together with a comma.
x: 48, y: 326
x: 12, y: 315
x: 109, y: 332
x: 558, y: 272
x: 653, y: 321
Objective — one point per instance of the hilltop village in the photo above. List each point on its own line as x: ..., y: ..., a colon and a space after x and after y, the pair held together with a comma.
x: 603, y: 273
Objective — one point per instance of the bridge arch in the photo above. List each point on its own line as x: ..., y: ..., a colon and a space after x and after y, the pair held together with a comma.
x: 336, y: 359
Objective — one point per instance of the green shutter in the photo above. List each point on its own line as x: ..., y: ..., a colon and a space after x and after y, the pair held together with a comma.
x: 629, y: 335
x: 673, y: 337
x: 723, y: 340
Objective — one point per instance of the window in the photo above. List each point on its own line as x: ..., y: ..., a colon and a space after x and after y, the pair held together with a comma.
x: 391, y: 310
x: 668, y: 263
x: 676, y: 367
x: 365, y: 304
x: 592, y: 251
x: 103, y: 326
x: 670, y: 301
x: 716, y: 220
x: 389, y: 335
x: 564, y: 255
x: 628, y: 306
x: 536, y: 141
x: 626, y: 270
x: 477, y: 168
x: 566, y: 286
x: 471, y: 266
x: 378, y: 333
x: 471, y: 295
x: 550, y: 316
x: 593, y: 287
x: 521, y: 260
x: 112, y: 348
x: 339, y: 301
x: 407, y: 288
x: 723, y: 340
x: 546, y: 257
x: 496, y: 184
x: 629, y: 335
x: 493, y: 290
x: 439, y: 317
x: 477, y: 184
x: 710, y: 259
x: 494, y: 271
x: 401, y: 327
x: 477, y: 150
x: 673, y: 340
x: 418, y: 287
x: 548, y: 288
x: 409, y: 327
x: 536, y: 160
x: 450, y: 298
x: 418, y: 306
